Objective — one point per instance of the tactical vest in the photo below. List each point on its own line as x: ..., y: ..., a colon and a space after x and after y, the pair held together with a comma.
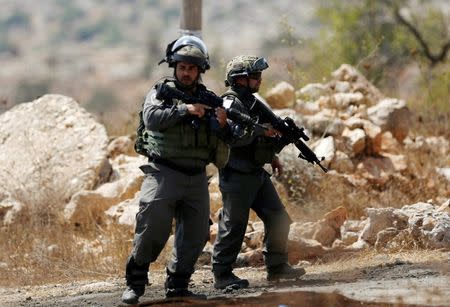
x: 261, y: 151
x: 190, y: 138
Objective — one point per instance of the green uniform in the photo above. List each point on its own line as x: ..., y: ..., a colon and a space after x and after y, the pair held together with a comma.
x: 246, y: 185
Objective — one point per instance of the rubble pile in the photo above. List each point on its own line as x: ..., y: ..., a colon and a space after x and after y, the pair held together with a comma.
x: 363, y: 136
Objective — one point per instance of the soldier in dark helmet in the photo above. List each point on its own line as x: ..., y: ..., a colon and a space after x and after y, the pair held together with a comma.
x: 245, y: 184
x: 179, y: 141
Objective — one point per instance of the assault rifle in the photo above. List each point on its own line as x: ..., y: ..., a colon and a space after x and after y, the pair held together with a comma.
x: 164, y: 91
x: 291, y: 133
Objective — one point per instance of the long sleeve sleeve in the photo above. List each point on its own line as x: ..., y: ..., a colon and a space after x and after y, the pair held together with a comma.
x: 158, y: 116
x: 248, y: 135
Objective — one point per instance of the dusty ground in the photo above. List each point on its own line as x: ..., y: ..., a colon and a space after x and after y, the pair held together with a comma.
x: 373, y: 280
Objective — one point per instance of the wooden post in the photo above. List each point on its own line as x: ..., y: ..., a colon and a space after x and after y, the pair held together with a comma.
x: 191, y: 18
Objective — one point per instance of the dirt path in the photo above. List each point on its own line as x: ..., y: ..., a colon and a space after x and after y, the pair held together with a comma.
x: 389, y: 283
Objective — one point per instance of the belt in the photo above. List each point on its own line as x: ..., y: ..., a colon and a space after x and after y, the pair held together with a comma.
x: 190, y: 171
x: 252, y: 172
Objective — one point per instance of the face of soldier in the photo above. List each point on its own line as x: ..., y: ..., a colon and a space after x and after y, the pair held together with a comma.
x: 186, y: 73
x: 254, y: 82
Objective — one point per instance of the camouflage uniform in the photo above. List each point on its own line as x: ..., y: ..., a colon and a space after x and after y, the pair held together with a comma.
x: 246, y: 185
x: 175, y: 186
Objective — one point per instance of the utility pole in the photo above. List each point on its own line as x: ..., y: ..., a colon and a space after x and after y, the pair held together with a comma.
x: 191, y: 18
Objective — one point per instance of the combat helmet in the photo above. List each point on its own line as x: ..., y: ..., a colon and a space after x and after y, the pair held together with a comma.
x: 243, y: 66
x: 187, y: 48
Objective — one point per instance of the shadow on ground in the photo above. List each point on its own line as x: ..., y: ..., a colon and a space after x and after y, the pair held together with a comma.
x: 298, y: 298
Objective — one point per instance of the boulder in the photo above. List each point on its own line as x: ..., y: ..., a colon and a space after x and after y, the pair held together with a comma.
x: 357, y: 82
x: 418, y: 225
x: 344, y: 100
x: 355, y: 140
x: 124, y: 213
x: 252, y: 258
x: 50, y: 149
x: 313, y: 91
x: 324, y: 123
x: 328, y: 229
x: 122, y: 145
x: 281, y: 96
x: 325, y: 148
x: 9, y: 210
x: 87, y: 207
x: 307, y: 107
x: 342, y: 163
x: 254, y: 239
x: 380, y: 219
x: 305, y: 249
x: 392, y: 115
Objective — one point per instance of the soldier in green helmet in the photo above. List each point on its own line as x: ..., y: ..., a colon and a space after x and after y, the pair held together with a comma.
x: 179, y: 141
x: 245, y: 184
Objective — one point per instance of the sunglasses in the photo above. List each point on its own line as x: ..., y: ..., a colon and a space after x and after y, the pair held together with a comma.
x: 255, y: 75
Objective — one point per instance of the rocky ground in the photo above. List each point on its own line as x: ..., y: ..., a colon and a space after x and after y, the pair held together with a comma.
x: 412, y: 279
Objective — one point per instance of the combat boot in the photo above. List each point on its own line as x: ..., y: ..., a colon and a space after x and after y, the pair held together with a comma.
x: 137, y: 279
x: 228, y: 279
x: 176, y: 285
x: 284, y: 271
x: 132, y: 293
x: 183, y: 292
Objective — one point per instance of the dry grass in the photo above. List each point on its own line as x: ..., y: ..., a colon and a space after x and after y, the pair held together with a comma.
x: 38, y: 251
x: 310, y: 199
x: 42, y: 248
x: 372, y: 258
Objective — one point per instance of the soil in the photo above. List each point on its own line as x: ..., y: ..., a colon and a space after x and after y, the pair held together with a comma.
x: 387, y: 282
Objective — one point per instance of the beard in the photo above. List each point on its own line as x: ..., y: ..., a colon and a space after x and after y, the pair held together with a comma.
x: 254, y: 89
x: 187, y: 81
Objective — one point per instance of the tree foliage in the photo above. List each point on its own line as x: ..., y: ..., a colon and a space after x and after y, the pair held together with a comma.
x: 381, y: 38
x: 366, y: 27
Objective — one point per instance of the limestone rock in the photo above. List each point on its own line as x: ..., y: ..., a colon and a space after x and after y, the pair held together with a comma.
x: 313, y: 90
x: 325, y: 148
x: 50, y: 149
x: 88, y: 206
x: 304, y: 249
x: 358, y: 83
x: 327, y: 230
x: 391, y: 115
x: 281, y: 96
x: 254, y: 239
x: 122, y: 145
x: 253, y: 258
x: 355, y: 139
x: 125, y: 212
x: 324, y: 123
x: 342, y: 163
x: 344, y: 100
x: 380, y: 219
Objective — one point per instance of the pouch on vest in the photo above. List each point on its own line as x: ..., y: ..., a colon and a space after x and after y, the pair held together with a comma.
x: 141, y: 142
x: 222, y: 154
x: 265, y: 150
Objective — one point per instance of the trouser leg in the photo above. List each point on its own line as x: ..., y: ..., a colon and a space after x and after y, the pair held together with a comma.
x: 238, y: 192
x: 192, y: 228
x: 153, y: 223
x: 136, y: 275
x: 271, y: 211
